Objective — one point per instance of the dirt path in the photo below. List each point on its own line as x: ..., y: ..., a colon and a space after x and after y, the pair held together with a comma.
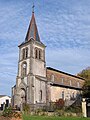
x: 5, y: 118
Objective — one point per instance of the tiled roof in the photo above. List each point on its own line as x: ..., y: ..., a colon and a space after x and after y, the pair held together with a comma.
x: 49, y: 68
x: 59, y: 78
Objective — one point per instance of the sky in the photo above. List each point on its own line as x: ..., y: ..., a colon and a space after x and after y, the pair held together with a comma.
x: 63, y: 25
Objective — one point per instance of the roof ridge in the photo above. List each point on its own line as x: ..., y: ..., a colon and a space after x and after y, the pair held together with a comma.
x: 50, y: 68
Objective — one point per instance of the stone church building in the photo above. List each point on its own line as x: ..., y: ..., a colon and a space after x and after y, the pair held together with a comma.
x: 36, y: 83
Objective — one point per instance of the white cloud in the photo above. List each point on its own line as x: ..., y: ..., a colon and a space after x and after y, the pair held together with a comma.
x: 69, y: 60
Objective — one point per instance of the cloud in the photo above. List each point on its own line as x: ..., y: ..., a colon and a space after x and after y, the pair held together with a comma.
x: 68, y: 60
x: 66, y: 25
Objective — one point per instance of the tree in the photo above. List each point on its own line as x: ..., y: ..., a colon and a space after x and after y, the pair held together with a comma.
x: 86, y: 87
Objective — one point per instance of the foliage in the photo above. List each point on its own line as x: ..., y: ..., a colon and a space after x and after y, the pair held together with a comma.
x: 86, y: 87
x: 7, y: 112
x: 59, y: 104
x: 60, y: 112
x: 74, y: 109
x: 37, y: 111
x: 26, y: 108
x: 10, y: 113
x: 85, y: 74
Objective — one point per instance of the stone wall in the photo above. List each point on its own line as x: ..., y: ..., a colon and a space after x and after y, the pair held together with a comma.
x: 68, y: 94
x: 63, y: 85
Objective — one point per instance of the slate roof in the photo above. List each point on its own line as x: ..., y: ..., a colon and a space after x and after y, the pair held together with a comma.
x: 64, y: 79
x: 3, y: 96
x: 32, y: 30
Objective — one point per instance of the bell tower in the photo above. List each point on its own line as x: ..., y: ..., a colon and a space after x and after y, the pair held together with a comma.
x: 31, y: 79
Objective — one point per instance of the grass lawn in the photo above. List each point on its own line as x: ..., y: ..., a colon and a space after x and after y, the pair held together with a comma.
x: 28, y: 117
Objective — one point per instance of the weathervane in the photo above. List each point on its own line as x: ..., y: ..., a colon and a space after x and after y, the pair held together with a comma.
x: 33, y: 8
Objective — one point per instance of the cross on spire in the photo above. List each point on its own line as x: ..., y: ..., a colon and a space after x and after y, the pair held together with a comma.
x: 33, y: 8
x: 32, y: 30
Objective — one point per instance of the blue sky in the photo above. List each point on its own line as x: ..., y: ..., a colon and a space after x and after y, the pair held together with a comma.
x: 63, y: 25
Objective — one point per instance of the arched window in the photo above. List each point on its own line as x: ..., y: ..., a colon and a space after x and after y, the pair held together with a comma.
x: 36, y: 53
x: 39, y: 54
x: 40, y: 95
x: 24, y: 69
x: 26, y: 52
x: 23, y: 53
x: 23, y: 95
x: 43, y: 54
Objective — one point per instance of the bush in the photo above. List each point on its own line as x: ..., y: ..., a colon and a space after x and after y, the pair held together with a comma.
x: 7, y: 112
x: 60, y: 112
x: 26, y: 108
x: 38, y: 111
x: 74, y: 109
x: 59, y: 104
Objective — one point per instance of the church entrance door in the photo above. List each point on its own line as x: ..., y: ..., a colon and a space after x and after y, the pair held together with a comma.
x: 23, y: 96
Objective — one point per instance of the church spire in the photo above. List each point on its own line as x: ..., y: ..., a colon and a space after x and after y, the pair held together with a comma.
x: 32, y: 30
x: 33, y: 8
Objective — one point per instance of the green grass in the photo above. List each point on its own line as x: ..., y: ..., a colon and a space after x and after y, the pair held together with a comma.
x: 28, y: 117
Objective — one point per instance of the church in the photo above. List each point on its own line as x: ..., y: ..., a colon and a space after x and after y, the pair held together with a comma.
x: 36, y: 83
